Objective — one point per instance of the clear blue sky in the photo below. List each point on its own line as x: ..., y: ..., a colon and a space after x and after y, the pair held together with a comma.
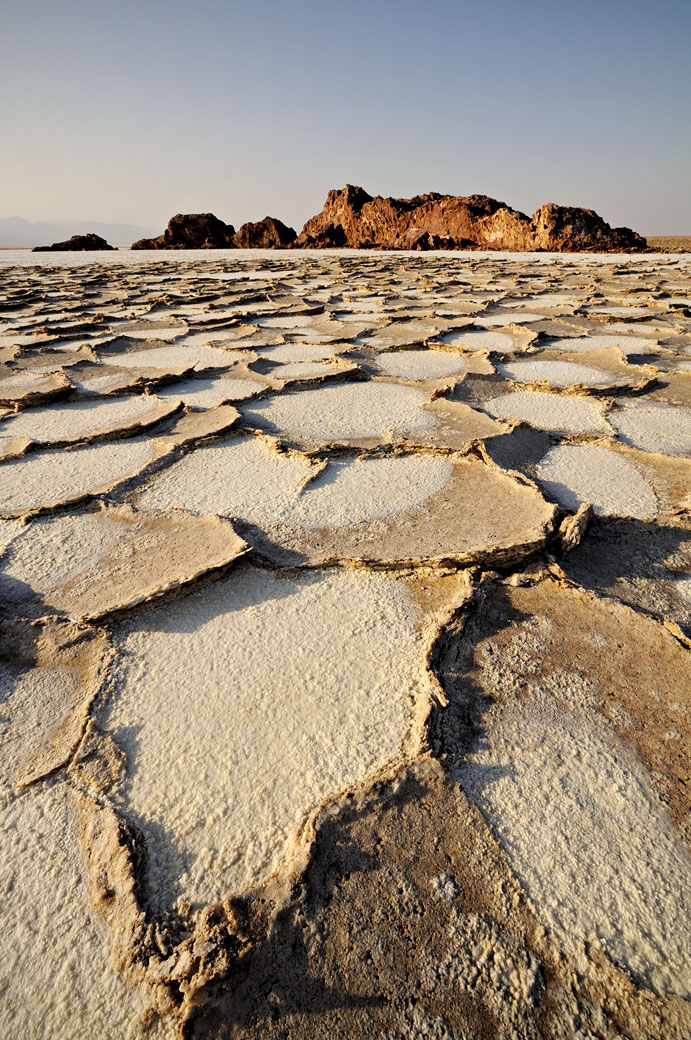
x: 132, y: 110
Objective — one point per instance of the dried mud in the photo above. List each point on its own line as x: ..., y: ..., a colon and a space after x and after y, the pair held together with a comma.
x: 344, y: 646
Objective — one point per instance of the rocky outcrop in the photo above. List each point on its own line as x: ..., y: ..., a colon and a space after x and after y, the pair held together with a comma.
x: 351, y: 218
x: 560, y: 229
x: 192, y: 231
x: 269, y: 233
x: 77, y: 242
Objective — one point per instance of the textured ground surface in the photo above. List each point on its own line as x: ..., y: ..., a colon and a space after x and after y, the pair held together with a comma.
x: 345, y: 631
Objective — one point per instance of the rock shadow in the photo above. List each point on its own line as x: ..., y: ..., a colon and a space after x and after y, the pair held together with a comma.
x: 640, y: 562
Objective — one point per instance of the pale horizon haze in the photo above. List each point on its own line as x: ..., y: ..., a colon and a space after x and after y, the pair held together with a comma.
x: 133, y: 111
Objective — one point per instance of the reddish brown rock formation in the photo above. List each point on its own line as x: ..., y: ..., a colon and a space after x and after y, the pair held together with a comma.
x: 192, y: 231
x: 352, y: 218
x: 77, y: 242
x: 269, y: 233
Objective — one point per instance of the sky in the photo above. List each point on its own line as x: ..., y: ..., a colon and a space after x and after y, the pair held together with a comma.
x: 133, y: 110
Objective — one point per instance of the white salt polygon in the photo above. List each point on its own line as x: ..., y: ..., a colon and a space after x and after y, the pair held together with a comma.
x: 77, y: 419
x: 245, y: 704
x: 286, y: 353
x: 49, y: 552
x: 351, y: 491
x: 572, y: 474
x: 209, y: 393
x: 346, y: 412
x: 171, y: 357
x: 420, y: 364
x: 57, y: 977
x: 241, y: 478
x: 654, y: 427
x: 515, y: 318
x: 556, y: 373
x: 627, y: 344
x: 55, y: 476
x: 472, y: 339
x: 548, y: 411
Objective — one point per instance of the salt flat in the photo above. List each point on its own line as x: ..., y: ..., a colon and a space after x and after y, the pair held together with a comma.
x: 345, y: 645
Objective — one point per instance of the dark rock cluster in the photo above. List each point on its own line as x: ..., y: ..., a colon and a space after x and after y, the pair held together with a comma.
x: 353, y: 219
x: 76, y: 243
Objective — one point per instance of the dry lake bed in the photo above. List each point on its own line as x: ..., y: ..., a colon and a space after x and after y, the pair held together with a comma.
x: 346, y: 629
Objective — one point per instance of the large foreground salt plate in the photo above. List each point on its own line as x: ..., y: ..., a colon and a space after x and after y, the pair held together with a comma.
x: 245, y: 705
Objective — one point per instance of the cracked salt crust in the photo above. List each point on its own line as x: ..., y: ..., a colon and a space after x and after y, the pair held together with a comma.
x: 627, y: 344
x: 236, y: 722
x: 307, y: 370
x: 346, y: 412
x: 287, y: 321
x: 208, y: 393
x: 247, y: 479
x: 350, y: 491
x: 549, y: 412
x: 572, y: 474
x: 420, y: 364
x: 55, y: 970
x: 587, y: 838
x: 556, y: 373
x: 513, y: 317
x: 79, y: 419
x: 52, y: 477
x: 621, y: 312
x: 475, y: 340
x: 47, y: 553
x: 654, y: 427
x: 88, y: 565
x: 171, y: 357
x: 286, y: 353
x: 242, y: 477
x: 154, y: 332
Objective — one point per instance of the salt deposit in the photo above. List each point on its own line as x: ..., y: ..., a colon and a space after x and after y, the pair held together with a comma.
x: 572, y: 474
x: 352, y: 411
x: 550, y: 412
x: 171, y: 357
x: 627, y: 344
x: 199, y: 703
x: 654, y: 427
x: 556, y: 373
x: 78, y: 420
x: 55, y: 956
x: 278, y: 728
x: 512, y: 317
x: 588, y: 840
x: 244, y: 477
x: 420, y: 364
x: 50, y: 478
x: 475, y: 340
x: 208, y: 393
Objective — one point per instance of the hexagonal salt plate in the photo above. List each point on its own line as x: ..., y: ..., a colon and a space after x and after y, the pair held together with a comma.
x: 344, y: 413
x: 244, y: 705
x: 557, y: 373
x: 548, y: 411
x: 654, y: 427
x: 572, y: 474
x: 414, y: 365
x: 627, y: 344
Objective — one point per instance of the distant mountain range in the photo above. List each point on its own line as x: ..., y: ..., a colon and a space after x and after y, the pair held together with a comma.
x: 16, y: 232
